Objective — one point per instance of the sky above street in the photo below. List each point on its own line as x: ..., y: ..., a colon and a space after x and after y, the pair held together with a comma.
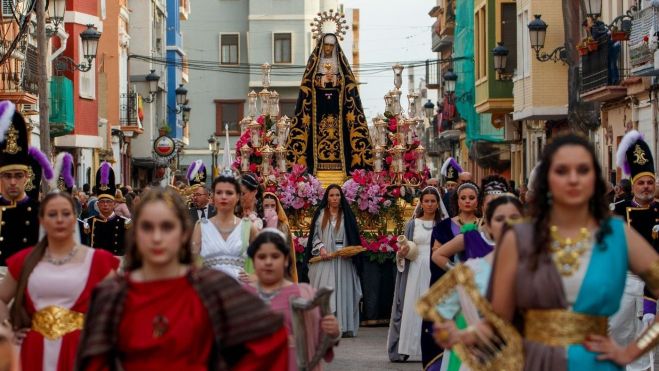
x: 391, y: 31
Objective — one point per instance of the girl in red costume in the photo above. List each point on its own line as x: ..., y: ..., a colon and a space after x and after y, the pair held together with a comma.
x: 165, y: 314
x: 51, y: 285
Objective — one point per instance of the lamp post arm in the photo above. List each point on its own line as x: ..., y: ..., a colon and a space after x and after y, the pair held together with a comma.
x: 558, y: 54
x: 65, y: 63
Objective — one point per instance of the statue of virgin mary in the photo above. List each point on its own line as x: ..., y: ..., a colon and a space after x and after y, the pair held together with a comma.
x: 329, y: 131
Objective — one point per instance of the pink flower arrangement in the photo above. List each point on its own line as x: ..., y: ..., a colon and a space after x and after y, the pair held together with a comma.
x: 298, y: 189
x: 367, y: 191
x: 381, y: 244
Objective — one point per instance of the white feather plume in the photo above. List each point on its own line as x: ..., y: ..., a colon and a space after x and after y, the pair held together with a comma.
x: 57, y: 170
x: 7, y: 109
x: 627, y: 141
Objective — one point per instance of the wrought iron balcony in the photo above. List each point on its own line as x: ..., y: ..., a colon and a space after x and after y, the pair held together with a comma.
x: 128, y: 109
x: 642, y: 22
x: 601, y: 75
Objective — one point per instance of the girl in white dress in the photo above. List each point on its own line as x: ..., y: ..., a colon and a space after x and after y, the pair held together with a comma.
x: 412, y: 279
x: 222, y: 240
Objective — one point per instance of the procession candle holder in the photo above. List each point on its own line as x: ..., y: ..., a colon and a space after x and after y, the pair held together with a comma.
x: 381, y: 131
x: 396, y: 104
x: 264, y: 97
x: 398, y: 75
x: 266, y: 163
x: 255, y: 133
x: 403, y: 129
x: 420, y: 158
x: 411, y: 101
x: 244, y: 124
x: 251, y: 103
x: 280, y: 155
x: 283, y: 126
x: 388, y: 102
x: 379, y: 154
x: 398, y: 152
x: 265, y: 75
x: 245, y: 152
x: 411, y: 131
x: 274, y: 104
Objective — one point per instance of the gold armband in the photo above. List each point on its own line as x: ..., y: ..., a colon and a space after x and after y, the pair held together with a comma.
x: 651, y: 277
x: 649, y: 338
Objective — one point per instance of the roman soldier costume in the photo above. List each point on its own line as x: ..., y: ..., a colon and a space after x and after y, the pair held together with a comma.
x: 19, y: 223
x: 106, y: 233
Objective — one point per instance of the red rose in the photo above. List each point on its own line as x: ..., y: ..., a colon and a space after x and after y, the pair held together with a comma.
x: 395, y: 192
x: 409, y: 156
x: 389, y: 160
x: 260, y: 119
x: 253, y: 167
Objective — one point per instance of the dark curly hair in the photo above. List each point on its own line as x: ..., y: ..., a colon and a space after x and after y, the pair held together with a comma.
x: 540, y: 208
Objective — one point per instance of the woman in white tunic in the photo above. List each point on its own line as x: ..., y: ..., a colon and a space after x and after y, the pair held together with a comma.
x: 222, y: 240
x: 334, y: 227
x: 412, y: 279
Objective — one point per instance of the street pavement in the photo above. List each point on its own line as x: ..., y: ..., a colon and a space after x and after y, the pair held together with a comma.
x: 368, y: 351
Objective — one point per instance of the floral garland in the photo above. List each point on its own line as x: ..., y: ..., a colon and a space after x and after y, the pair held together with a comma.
x: 300, y: 244
x: 298, y: 189
x: 367, y: 192
x: 409, y: 157
x: 380, y: 247
x: 255, y: 157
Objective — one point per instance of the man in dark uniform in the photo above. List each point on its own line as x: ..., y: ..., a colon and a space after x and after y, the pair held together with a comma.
x: 641, y: 211
x: 19, y: 223
x: 642, y: 214
x: 451, y: 172
x: 107, y: 230
x: 201, y: 208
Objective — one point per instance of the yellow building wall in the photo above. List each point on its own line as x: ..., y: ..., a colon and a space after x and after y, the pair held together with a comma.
x: 546, y: 84
x: 108, y: 50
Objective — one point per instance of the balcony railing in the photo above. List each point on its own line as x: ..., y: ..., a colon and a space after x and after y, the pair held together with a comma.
x: 432, y: 74
x: 128, y: 109
x: 602, y: 67
x: 643, y: 21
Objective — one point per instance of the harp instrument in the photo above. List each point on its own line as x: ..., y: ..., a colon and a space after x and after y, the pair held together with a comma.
x: 299, y: 306
x: 502, y: 350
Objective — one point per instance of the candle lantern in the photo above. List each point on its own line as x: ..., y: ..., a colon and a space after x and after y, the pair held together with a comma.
x: 266, y: 163
x: 280, y: 154
x: 265, y: 75
x: 245, y: 152
x: 398, y: 75
x: 411, y: 101
x: 283, y: 127
x: 388, y: 102
x: 274, y: 104
x: 251, y: 103
x: 398, y: 163
x: 379, y: 154
x: 411, y: 131
x: 264, y: 97
x: 403, y: 129
x: 255, y: 133
x: 381, y: 130
x: 396, y: 101
x: 420, y: 158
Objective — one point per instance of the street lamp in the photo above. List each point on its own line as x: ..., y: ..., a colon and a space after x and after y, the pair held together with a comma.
x: 429, y: 109
x: 181, y: 95
x: 56, y: 9
x: 185, y: 115
x: 449, y: 81
x: 593, y: 8
x: 152, y: 78
x: 90, y: 38
x: 537, y: 33
x: 500, y: 54
x: 213, y: 147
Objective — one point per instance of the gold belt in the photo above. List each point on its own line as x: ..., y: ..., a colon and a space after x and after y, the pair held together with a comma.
x: 53, y: 322
x: 559, y: 327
